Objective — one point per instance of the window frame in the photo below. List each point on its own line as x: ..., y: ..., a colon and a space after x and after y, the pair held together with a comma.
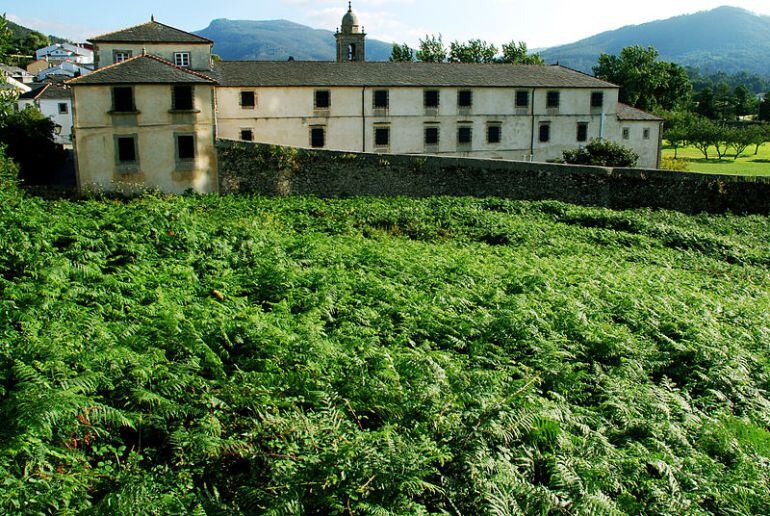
x: 626, y: 133
x: 244, y: 131
x: 127, y: 54
x: 64, y: 108
x: 553, y: 99
x: 377, y: 95
x: 518, y: 104
x: 183, y: 55
x: 460, y: 129
x: 126, y: 166
x: 460, y: 94
x: 314, y: 128
x: 597, y: 95
x: 646, y: 133
x: 425, y: 95
x: 114, y: 90
x: 378, y: 130
x: 582, y: 126
x: 319, y: 107
x: 498, y: 126
x: 178, y: 148
x: 544, y: 137
x: 175, y: 97
x: 253, y: 94
x: 431, y: 127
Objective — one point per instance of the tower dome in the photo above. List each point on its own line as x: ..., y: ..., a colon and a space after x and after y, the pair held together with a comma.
x: 350, y: 24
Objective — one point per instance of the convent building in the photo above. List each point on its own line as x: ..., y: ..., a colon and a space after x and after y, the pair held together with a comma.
x: 150, y: 115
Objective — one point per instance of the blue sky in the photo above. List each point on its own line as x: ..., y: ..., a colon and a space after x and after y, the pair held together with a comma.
x: 540, y: 23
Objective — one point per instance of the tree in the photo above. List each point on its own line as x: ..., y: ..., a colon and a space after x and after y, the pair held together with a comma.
x: 739, y: 139
x: 764, y: 108
x: 7, y: 97
x: 432, y: 50
x: 675, y: 128
x: 602, y: 153
x: 645, y: 82
x: 401, y: 53
x: 705, y: 103
x: 702, y: 133
x: 744, y: 102
x: 474, y: 51
x: 517, y: 53
x: 28, y: 136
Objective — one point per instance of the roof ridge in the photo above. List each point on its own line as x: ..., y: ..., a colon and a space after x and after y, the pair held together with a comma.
x: 180, y: 68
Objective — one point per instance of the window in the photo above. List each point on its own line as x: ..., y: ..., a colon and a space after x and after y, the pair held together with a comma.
x: 553, y: 100
x: 118, y: 56
x: 646, y: 134
x: 494, y: 133
x: 318, y: 137
x: 64, y: 108
x: 626, y: 133
x: 182, y: 59
x: 381, y: 136
x: 582, y: 132
x: 464, y: 135
x: 522, y: 99
x: 545, y: 133
x: 126, y: 149
x: 431, y: 135
x: 597, y: 99
x: 464, y: 98
x: 247, y: 135
x: 431, y: 98
x: 182, y: 98
x: 351, y: 52
x: 323, y: 99
x: 248, y: 99
x: 381, y: 99
x: 185, y: 147
x: 123, y: 99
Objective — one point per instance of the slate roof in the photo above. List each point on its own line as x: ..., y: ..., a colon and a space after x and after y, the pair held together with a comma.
x: 48, y: 92
x: 626, y: 112
x: 314, y: 73
x: 143, y: 69
x: 150, y: 32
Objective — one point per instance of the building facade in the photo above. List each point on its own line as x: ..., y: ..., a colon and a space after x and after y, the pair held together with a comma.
x: 514, y: 112
x: 54, y: 101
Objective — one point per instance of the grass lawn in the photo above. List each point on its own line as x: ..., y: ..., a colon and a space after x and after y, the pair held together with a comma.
x: 244, y: 355
x: 747, y: 164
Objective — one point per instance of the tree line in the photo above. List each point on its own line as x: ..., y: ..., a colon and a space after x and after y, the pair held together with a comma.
x: 433, y: 50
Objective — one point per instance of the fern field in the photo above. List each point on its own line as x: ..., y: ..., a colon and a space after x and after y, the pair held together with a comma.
x: 235, y: 355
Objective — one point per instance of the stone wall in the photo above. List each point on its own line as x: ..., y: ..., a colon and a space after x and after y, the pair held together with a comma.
x: 272, y: 170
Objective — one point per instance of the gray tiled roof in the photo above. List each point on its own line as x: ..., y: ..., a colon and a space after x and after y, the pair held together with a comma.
x: 150, y: 32
x: 307, y: 73
x: 48, y: 92
x: 144, y: 69
x: 626, y: 112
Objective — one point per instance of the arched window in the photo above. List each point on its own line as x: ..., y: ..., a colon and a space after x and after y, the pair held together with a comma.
x: 351, y: 51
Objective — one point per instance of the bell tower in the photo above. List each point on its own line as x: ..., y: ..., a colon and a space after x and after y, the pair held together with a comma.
x: 351, y: 39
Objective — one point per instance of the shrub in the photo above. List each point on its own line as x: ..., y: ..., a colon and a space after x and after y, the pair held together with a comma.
x: 602, y: 153
x: 28, y: 136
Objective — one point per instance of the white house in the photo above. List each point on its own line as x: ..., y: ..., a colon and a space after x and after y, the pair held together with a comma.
x: 60, y: 52
x: 55, y: 102
x: 14, y: 72
x: 67, y: 68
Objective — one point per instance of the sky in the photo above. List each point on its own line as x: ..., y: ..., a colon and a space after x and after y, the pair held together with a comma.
x: 540, y: 23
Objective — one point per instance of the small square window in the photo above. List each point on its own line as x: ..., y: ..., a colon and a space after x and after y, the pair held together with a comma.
x: 185, y: 147
x: 545, y: 133
x: 522, y: 99
x: 247, y: 135
x: 118, y: 56
x: 582, y: 132
x: 626, y: 133
x: 182, y: 99
x: 317, y: 137
x: 381, y: 99
x: 553, y: 99
x: 431, y: 135
x: 464, y: 98
x: 646, y: 134
x: 464, y: 135
x: 323, y: 99
x: 494, y: 133
x: 431, y: 98
x: 123, y: 99
x: 597, y: 99
x: 248, y: 99
x: 126, y: 149
x: 182, y: 59
x: 63, y: 108
x: 381, y: 136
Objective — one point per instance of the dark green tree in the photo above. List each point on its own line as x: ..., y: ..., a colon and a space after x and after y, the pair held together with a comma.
x: 517, y: 53
x: 645, y: 82
x: 432, y: 50
x: 744, y: 102
x: 764, y: 108
x: 473, y: 51
x: 28, y: 137
x: 401, y: 53
x: 705, y: 103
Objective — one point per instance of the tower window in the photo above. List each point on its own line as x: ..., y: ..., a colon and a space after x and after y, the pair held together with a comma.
x: 582, y: 132
x: 545, y: 133
x: 464, y: 98
x: 431, y: 135
x: 248, y: 99
x: 381, y: 99
x: 431, y: 98
x: 323, y: 99
x: 351, y: 52
x: 553, y: 100
x: 381, y: 136
x: 318, y: 137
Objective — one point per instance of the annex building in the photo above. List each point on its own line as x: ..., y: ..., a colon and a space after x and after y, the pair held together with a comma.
x: 149, y: 116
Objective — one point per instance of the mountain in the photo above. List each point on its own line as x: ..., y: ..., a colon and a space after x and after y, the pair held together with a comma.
x: 26, y: 41
x: 726, y: 39
x: 279, y: 40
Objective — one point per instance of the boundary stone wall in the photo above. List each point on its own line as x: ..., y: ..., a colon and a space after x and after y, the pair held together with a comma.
x: 255, y: 168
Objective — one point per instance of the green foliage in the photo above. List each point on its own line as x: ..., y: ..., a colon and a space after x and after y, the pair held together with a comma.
x: 602, y: 153
x: 25, y: 41
x: 402, y: 53
x: 432, y: 50
x: 517, y: 53
x: 764, y: 108
x: 645, y: 82
x: 231, y: 355
x: 28, y: 137
x: 472, y: 51
x: 674, y: 164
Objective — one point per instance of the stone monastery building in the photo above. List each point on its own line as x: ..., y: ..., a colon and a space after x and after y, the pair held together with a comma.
x: 149, y: 116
